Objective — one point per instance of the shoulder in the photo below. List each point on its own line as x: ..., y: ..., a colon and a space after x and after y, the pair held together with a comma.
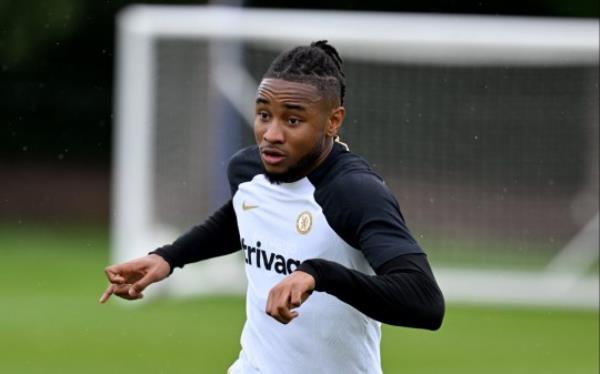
x: 363, y: 211
x: 360, y: 196
x: 350, y: 179
x: 243, y: 166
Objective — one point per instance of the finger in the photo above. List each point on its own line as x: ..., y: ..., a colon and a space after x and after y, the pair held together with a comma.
x: 127, y: 296
x: 292, y: 314
x: 141, y: 285
x: 282, y: 306
x: 106, y: 295
x: 122, y: 290
x: 283, y: 299
x: 114, y: 275
x: 284, y: 315
x: 269, y: 307
x: 296, y: 298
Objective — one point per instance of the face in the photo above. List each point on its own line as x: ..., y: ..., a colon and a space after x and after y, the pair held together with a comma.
x: 294, y: 128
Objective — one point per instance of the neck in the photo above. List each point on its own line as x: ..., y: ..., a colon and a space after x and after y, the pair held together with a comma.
x: 326, y: 151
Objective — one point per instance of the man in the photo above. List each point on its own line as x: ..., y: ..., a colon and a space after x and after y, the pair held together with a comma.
x: 309, y: 216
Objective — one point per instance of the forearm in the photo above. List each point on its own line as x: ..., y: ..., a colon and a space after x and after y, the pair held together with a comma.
x: 403, y: 293
x: 217, y: 236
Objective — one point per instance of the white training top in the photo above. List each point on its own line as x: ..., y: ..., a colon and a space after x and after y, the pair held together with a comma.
x: 340, y: 212
x: 280, y: 226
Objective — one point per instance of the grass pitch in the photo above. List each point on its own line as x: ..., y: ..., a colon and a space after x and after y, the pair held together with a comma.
x: 51, y: 323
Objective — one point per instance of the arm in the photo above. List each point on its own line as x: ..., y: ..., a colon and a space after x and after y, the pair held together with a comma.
x: 217, y: 236
x: 366, y: 215
x: 403, y: 293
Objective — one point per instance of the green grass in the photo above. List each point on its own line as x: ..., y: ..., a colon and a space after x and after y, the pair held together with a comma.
x: 473, y: 252
x: 51, y: 323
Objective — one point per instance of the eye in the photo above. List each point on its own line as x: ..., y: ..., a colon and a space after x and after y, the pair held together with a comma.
x: 294, y: 121
x: 263, y: 116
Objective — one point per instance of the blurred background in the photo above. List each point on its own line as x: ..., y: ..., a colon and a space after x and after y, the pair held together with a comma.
x: 57, y: 94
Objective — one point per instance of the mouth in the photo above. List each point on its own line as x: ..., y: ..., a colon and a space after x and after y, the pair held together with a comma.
x: 271, y: 155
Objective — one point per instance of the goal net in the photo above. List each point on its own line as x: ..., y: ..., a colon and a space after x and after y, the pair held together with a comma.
x: 485, y: 128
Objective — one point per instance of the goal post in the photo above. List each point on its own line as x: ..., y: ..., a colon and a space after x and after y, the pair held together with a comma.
x: 485, y: 128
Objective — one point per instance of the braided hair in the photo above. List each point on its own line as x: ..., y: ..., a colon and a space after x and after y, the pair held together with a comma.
x: 318, y: 64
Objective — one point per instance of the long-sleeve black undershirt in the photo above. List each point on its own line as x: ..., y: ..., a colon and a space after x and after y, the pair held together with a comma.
x: 217, y: 236
x: 403, y: 292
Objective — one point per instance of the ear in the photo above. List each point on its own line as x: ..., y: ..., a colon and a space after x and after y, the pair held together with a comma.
x: 336, y: 117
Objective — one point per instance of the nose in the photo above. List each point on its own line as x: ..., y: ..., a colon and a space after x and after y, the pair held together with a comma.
x: 274, y: 133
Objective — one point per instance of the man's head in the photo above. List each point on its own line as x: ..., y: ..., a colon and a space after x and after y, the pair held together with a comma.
x: 299, y: 110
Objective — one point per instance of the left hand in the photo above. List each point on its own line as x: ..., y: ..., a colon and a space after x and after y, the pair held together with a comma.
x: 288, y: 294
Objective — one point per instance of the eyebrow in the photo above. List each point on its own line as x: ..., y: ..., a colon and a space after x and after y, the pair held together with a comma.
x: 295, y: 107
x: 260, y: 100
x: 290, y: 106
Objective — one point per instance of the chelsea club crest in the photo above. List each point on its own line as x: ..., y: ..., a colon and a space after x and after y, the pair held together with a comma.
x: 304, y: 223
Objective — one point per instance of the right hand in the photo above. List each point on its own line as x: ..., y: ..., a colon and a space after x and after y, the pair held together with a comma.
x: 129, y: 279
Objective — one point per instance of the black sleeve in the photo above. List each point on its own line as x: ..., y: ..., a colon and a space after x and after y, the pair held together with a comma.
x: 403, y: 293
x: 217, y: 236
x: 363, y: 211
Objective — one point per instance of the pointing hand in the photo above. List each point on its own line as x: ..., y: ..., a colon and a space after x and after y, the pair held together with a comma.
x: 289, y: 294
x: 129, y: 279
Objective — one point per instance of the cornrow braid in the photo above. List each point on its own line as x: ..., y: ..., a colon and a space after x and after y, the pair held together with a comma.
x: 319, y: 64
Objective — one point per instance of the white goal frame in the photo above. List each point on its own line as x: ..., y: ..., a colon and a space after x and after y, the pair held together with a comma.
x: 448, y: 39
